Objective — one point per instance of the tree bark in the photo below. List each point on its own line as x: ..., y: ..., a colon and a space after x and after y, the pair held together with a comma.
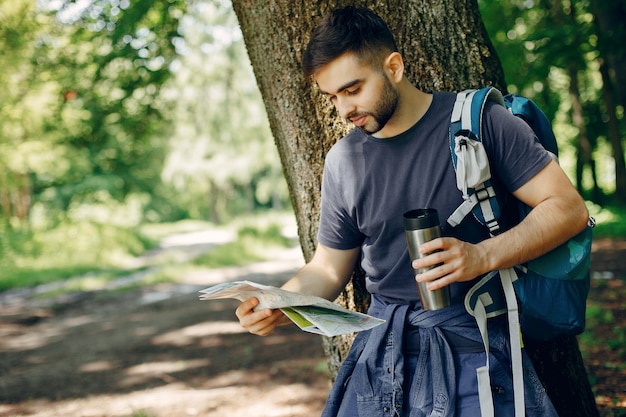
x: 445, y: 46
x: 452, y: 52
x: 558, y: 362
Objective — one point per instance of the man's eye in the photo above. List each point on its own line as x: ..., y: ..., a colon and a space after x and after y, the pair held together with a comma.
x: 353, y: 92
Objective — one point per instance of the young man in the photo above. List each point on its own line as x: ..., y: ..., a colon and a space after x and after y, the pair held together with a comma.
x: 397, y: 159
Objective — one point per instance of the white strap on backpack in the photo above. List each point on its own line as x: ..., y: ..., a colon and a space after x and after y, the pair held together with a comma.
x: 472, y: 167
x: 472, y: 171
x: 470, y: 160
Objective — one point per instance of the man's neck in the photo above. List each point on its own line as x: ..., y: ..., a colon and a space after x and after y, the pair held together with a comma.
x: 412, y: 106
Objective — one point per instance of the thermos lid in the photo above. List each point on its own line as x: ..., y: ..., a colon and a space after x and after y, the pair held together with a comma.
x: 421, y: 219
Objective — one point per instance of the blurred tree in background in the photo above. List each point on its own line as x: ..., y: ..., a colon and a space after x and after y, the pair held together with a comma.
x: 570, y: 57
x: 148, y: 105
x: 221, y: 157
x: 115, y: 113
x: 83, y: 122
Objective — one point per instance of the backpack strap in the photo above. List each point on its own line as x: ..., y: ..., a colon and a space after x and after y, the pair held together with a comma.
x: 470, y: 159
x: 489, y: 297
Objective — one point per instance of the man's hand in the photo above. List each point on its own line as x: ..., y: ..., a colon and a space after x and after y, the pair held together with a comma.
x: 324, y: 276
x: 261, y: 322
x: 558, y: 213
x: 453, y: 261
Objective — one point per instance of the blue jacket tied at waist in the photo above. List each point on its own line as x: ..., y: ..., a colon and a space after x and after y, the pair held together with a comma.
x: 371, y: 381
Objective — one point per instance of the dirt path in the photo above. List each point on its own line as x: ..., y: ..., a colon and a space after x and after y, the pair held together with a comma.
x: 159, y: 351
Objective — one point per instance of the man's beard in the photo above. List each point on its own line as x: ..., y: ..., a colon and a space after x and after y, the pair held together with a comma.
x: 384, y: 110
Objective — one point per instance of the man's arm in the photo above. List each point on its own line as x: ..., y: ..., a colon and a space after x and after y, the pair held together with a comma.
x: 324, y: 276
x: 558, y: 213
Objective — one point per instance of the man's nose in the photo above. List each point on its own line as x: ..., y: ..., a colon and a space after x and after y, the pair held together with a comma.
x: 345, y: 107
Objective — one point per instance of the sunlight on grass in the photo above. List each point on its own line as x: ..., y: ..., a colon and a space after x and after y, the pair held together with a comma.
x: 31, y: 257
x: 253, y: 244
x: 158, y: 231
x: 142, y: 413
x: 85, y: 256
x: 89, y: 282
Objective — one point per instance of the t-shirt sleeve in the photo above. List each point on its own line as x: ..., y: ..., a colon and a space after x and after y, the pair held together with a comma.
x: 338, y: 228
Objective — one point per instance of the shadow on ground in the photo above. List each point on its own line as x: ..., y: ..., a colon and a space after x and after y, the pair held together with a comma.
x: 118, y: 354
x: 114, y: 354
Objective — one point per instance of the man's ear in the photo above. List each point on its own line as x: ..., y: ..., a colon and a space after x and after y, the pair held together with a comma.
x: 394, y: 66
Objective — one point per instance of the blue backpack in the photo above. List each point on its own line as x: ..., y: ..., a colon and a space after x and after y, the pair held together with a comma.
x: 545, y: 297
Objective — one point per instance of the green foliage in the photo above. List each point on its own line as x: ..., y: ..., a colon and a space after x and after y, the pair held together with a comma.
x: 230, y: 254
x: 105, y: 99
x: 94, y: 253
x: 33, y: 257
x: 122, y: 54
x: 597, y: 315
x: 271, y: 234
x: 222, y: 159
x: 550, y: 51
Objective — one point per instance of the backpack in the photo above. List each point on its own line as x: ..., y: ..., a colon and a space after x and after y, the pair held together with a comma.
x: 545, y: 297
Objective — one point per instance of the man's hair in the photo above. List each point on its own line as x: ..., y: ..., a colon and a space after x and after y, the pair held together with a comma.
x: 349, y: 30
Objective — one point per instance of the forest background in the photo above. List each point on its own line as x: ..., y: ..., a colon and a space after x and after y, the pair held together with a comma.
x: 118, y: 114
x: 122, y: 121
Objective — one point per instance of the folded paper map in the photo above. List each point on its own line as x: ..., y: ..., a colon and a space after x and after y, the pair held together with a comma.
x: 310, y: 313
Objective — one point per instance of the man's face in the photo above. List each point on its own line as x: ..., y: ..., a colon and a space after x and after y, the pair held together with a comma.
x: 361, y: 94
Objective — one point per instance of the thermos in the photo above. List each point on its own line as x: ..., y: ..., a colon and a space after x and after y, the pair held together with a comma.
x: 420, y: 226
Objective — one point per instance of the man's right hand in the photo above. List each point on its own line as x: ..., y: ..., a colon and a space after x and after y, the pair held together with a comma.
x: 262, y: 322
x: 324, y: 276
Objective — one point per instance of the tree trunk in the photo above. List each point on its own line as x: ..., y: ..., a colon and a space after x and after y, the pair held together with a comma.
x: 445, y: 46
x: 557, y: 363
x: 609, y: 17
x: 614, y: 133
x: 584, y: 148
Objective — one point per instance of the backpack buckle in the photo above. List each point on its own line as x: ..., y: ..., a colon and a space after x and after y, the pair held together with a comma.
x: 484, y: 193
x: 466, y: 134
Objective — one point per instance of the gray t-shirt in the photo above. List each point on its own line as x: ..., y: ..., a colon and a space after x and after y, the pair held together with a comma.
x: 369, y: 183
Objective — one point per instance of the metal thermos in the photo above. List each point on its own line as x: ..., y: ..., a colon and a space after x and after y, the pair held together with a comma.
x: 420, y: 226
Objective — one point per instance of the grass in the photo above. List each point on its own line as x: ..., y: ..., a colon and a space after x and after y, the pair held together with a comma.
x: 252, y: 244
x: 32, y: 257
x: 86, y: 256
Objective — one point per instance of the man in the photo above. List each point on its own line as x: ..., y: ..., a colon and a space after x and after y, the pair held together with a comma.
x: 397, y: 159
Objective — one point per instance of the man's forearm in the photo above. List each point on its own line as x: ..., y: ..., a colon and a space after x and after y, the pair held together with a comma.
x: 311, y: 280
x: 548, y: 225
x: 326, y: 274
